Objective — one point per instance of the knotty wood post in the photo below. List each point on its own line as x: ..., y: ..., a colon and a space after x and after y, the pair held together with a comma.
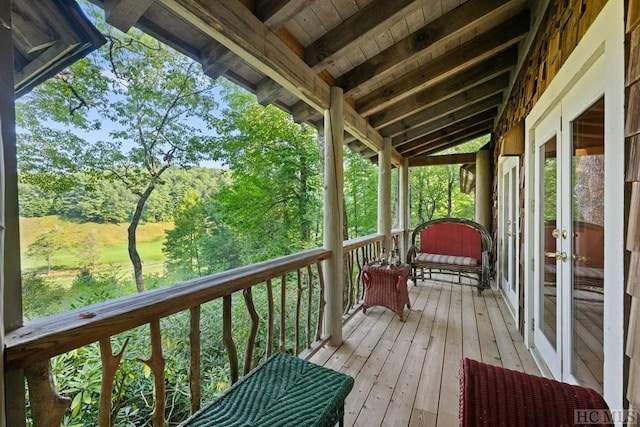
x: 405, y: 219
x: 333, y: 209
x: 47, y: 406
x: 13, y: 411
x: 110, y: 364
x: 484, y: 176
x: 384, y: 193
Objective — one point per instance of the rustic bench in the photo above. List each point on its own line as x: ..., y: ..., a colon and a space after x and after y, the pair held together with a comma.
x: 283, y: 391
x: 494, y: 396
x: 452, y: 246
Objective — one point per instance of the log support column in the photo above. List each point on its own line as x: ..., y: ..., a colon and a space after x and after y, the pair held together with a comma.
x: 404, y: 211
x: 384, y: 193
x: 333, y: 210
x: 483, y: 188
x: 12, y: 403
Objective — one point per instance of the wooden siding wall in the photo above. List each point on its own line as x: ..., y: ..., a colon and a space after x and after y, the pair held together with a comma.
x: 632, y: 140
x: 565, y: 23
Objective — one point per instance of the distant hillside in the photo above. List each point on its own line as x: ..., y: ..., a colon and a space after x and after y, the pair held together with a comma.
x: 112, y: 240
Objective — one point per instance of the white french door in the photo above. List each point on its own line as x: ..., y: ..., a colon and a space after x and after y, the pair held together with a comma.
x: 574, y: 214
x: 569, y: 222
x: 508, y: 232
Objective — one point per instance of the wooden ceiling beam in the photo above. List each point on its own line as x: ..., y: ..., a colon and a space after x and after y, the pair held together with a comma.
x: 276, y: 13
x: 469, y: 122
x: 268, y: 91
x: 472, y: 110
x: 444, y: 159
x: 454, y: 139
x: 240, y: 31
x: 500, y: 39
x: 123, y: 14
x: 217, y: 59
x: 465, y: 80
x: 436, y: 32
x: 365, y: 24
x: 461, y: 139
x: 449, y: 105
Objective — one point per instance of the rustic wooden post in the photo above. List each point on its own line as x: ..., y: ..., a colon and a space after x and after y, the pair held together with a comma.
x: 110, y: 364
x: 47, y: 406
x: 157, y: 364
x: 484, y: 176
x: 333, y: 207
x: 12, y: 402
x: 404, y: 202
x: 384, y: 193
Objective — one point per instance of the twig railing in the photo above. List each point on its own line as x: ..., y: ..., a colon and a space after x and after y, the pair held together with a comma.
x: 301, y: 290
x: 288, y: 318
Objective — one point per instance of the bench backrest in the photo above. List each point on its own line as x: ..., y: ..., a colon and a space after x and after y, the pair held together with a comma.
x: 451, y: 237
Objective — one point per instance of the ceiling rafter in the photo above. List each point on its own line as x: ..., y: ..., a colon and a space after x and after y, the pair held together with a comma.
x: 470, y: 110
x: 276, y: 13
x: 460, y: 82
x: 499, y: 39
x: 366, y: 23
x: 442, y: 107
x: 123, y: 14
x: 417, y: 44
x: 446, y: 131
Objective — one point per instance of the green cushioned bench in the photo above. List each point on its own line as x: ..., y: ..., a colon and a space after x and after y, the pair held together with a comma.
x: 283, y: 391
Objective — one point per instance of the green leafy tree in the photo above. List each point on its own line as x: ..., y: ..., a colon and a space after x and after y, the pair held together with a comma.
x: 435, y: 190
x: 200, y: 244
x: 272, y: 203
x: 183, y: 241
x: 46, y: 245
x: 89, y: 249
x: 156, y: 101
x: 360, y: 195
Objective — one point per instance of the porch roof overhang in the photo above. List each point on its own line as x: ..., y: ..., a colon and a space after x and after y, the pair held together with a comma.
x: 48, y: 36
x: 428, y: 74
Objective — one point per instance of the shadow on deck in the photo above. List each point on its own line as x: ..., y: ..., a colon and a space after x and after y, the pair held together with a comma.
x: 406, y: 373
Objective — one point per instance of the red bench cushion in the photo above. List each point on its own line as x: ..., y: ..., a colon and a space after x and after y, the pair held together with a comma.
x: 492, y: 396
x: 451, y: 239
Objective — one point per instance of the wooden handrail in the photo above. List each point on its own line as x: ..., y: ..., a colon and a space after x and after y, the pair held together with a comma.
x: 44, y: 338
x: 35, y: 343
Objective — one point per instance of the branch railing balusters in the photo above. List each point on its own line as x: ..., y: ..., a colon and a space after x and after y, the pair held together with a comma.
x: 32, y: 345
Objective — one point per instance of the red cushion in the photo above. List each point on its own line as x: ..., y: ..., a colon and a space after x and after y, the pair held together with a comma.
x: 491, y: 396
x: 451, y: 239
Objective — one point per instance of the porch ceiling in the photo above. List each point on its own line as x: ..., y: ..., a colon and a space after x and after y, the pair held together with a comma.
x: 429, y: 74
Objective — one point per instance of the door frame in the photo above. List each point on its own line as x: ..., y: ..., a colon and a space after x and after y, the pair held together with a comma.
x: 510, y: 162
x: 605, y: 38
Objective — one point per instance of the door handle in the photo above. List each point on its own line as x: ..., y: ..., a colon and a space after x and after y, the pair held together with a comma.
x: 556, y: 233
x: 562, y: 256
x: 580, y: 258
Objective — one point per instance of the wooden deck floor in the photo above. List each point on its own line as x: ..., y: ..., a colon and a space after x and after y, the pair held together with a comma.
x: 406, y: 373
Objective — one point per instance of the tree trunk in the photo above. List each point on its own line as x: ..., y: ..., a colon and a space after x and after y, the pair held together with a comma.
x: 134, y: 256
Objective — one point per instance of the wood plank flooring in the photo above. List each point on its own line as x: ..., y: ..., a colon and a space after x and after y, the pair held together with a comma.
x: 406, y: 373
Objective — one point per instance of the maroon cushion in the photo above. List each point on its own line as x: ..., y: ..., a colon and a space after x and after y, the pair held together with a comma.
x: 494, y: 396
x: 451, y: 239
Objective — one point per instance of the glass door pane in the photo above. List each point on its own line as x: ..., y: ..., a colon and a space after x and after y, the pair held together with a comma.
x: 588, y: 246
x: 549, y: 315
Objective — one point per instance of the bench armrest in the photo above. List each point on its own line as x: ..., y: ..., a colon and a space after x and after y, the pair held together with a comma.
x: 411, y: 254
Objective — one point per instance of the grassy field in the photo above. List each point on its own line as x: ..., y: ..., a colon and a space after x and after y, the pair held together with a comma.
x: 112, y: 247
